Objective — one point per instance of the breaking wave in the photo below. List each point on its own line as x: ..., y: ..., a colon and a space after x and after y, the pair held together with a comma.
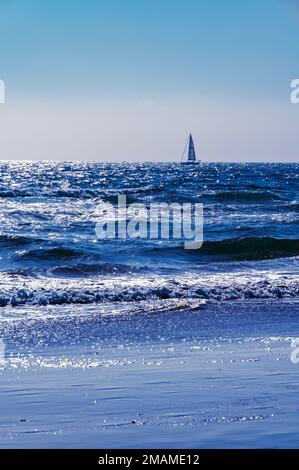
x: 47, y: 291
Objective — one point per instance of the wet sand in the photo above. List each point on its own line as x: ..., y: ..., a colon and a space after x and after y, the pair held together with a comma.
x: 220, y: 376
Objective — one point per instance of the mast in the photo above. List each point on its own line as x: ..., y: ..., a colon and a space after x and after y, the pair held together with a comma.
x: 191, y: 151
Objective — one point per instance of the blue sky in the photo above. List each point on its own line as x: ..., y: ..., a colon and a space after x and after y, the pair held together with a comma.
x: 79, y: 73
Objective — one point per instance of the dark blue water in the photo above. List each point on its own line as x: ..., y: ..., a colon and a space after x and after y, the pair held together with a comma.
x: 49, y: 252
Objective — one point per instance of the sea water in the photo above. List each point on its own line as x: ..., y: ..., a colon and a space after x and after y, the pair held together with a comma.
x: 140, y: 342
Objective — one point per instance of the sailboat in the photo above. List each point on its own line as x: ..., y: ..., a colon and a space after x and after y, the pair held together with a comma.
x: 191, y: 153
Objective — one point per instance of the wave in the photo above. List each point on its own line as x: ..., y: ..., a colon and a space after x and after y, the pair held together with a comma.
x: 293, y: 206
x: 230, y: 249
x: 77, y: 270
x: 44, y: 254
x: 51, y: 291
x: 85, y: 269
x: 10, y: 193
x: 7, y: 240
x: 253, y: 248
x: 81, y: 193
x: 109, y: 193
x: 59, y: 193
x: 246, y: 196
x: 240, y: 249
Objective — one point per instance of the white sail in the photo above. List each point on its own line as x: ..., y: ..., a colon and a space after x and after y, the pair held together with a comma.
x: 191, y: 151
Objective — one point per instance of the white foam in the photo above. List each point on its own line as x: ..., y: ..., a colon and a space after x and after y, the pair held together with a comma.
x: 21, y: 290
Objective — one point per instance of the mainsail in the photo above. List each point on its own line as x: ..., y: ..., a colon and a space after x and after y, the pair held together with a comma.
x: 191, y: 151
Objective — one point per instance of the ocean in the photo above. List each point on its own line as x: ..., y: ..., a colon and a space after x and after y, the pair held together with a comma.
x: 102, y: 337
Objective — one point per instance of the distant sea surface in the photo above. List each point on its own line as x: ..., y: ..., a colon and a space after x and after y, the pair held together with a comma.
x: 49, y: 253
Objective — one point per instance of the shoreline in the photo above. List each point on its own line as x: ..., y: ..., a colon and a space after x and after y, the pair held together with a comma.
x: 170, y: 379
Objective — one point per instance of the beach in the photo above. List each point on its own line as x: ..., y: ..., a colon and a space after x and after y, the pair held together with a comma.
x: 220, y: 376
x: 139, y: 342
